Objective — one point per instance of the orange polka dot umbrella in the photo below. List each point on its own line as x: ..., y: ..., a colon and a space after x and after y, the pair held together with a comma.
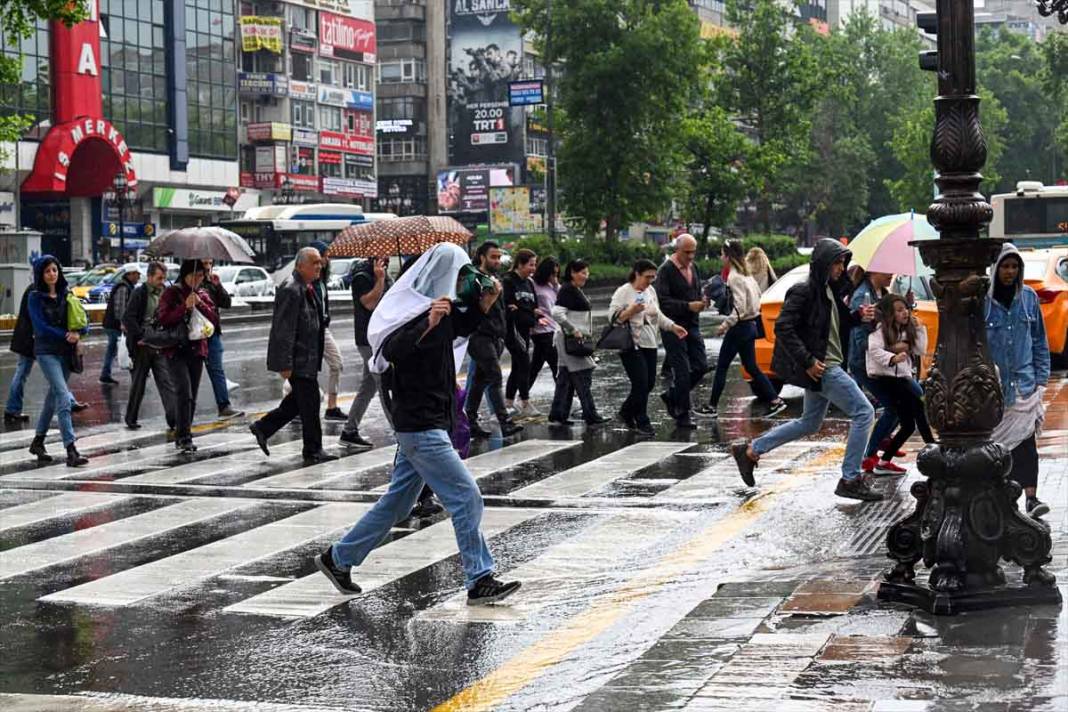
x: 400, y: 236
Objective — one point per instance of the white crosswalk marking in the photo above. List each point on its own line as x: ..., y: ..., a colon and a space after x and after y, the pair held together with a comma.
x: 311, y: 595
x: 194, y: 471
x: 53, y: 507
x: 320, y: 475
x: 106, y: 536
x: 595, y: 474
x: 709, y: 483
x: 118, y: 461
x: 505, y: 458
x: 137, y: 584
x: 577, y: 564
x: 87, y: 445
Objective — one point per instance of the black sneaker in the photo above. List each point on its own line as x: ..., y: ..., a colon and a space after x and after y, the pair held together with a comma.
x: 226, y: 412
x: 746, y: 466
x: 597, y: 420
x: 335, y: 414
x: 776, y: 408
x: 186, y: 445
x: 706, y: 411
x: 78, y: 406
x: 10, y: 417
x: 338, y: 576
x: 489, y: 590
x: 108, y: 380
x: 132, y: 425
x: 645, y: 430
x: 509, y: 428
x: 857, y: 488
x: 318, y: 458
x: 353, y: 439
x: 1036, y: 507
x: 425, y: 508
x: 477, y: 431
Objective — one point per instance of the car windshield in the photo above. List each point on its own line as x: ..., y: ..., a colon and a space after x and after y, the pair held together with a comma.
x: 339, y: 268
x: 95, y: 278
x: 226, y: 274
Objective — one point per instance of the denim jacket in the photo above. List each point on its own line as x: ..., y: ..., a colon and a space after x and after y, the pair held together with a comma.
x: 1018, y: 346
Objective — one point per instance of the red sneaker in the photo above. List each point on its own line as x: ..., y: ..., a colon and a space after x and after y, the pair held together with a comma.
x: 868, y: 465
x: 885, y: 443
x: 885, y: 467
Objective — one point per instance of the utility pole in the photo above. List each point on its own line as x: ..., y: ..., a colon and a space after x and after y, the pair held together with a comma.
x: 550, y: 158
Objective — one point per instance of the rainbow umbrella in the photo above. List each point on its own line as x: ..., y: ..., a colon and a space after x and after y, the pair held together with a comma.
x: 883, y: 246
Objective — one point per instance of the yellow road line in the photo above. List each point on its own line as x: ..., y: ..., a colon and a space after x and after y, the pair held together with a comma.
x: 606, y: 610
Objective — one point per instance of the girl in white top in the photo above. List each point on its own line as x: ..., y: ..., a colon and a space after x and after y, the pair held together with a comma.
x: 888, y: 360
x: 636, y: 305
x: 739, y: 334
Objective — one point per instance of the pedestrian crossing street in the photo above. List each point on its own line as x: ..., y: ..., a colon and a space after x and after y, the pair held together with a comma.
x: 46, y: 530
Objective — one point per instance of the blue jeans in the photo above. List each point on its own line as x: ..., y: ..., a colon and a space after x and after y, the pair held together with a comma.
x: 428, y: 457
x: 112, y: 351
x: 18, y: 385
x: 57, y: 402
x: 839, y: 388
x: 215, y: 371
x: 887, y: 421
x: 492, y: 394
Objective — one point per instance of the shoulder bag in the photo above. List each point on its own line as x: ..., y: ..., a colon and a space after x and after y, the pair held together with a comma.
x: 158, y: 336
x: 616, y: 336
x: 574, y: 346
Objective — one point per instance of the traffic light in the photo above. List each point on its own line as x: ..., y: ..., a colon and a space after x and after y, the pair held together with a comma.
x: 928, y: 22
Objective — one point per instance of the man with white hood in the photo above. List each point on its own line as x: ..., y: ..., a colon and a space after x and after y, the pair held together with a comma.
x: 412, y: 335
x: 1016, y: 335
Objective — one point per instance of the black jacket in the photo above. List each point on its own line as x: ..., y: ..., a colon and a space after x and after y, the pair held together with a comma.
x: 120, y: 292
x: 219, y: 296
x: 420, y: 386
x: 491, y: 330
x: 804, y: 324
x: 297, y: 331
x: 520, y: 294
x: 22, y: 336
x: 675, y: 294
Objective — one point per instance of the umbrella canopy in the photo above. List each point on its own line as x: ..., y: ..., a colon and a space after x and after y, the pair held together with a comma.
x: 203, y: 243
x: 883, y: 246
x: 398, y: 236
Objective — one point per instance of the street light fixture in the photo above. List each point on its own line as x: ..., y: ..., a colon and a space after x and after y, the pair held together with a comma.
x: 121, y: 188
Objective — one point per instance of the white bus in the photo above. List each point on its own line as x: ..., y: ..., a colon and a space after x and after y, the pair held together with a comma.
x: 1035, y: 215
x: 276, y: 232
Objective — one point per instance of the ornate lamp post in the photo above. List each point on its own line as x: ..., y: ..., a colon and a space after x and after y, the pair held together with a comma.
x: 121, y: 190
x: 966, y: 519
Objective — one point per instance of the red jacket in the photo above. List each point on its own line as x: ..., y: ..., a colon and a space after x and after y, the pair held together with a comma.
x: 171, y: 311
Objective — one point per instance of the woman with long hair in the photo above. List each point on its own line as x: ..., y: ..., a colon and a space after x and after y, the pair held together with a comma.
x: 760, y: 269
x: 635, y: 304
x: 546, y: 286
x: 54, y: 343
x: 520, y: 303
x: 575, y: 375
x: 739, y: 333
x: 186, y: 360
x: 889, y: 361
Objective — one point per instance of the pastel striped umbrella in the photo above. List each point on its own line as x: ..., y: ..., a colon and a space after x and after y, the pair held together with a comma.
x: 883, y: 246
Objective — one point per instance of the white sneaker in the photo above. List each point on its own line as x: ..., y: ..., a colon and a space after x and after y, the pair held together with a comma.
x: 528, y: 410
x: 232, y: 385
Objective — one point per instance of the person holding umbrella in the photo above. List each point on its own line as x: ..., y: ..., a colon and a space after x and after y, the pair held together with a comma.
x: 138, y: 315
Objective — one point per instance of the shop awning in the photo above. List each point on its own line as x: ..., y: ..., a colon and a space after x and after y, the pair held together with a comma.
x: 80, y: 158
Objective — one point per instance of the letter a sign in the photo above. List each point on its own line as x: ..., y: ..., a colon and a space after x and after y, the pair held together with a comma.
x: 76, y: 67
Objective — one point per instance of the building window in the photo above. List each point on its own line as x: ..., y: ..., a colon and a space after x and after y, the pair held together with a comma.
x: 302, y: 160
x: 406, y: 107
x: 330, y: 170
x: 304, y: 114
x: 328, y: 73
x: 32, y: 95
x: 402, y: 149
x: 405, y: 70
x: 330, y: 118
x: 400, y: 31
x: 356, y: 76
x: 537, y: 146
x: 303, y: 67
x: 301, y: 18
x: 211, y: 54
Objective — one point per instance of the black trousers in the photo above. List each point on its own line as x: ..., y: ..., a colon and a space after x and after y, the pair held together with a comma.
x: 148, y: 360
x: 186, y: 370
x: 487, y: 375
x: 304, y: 401
x: 740, y: 340
x: 640, y: 365
x: 544, y: 353
x: 519, y: 379
x: 910, y: 414
x: 1025, y: 463
x: 688, y: 363
x: 568, y: 385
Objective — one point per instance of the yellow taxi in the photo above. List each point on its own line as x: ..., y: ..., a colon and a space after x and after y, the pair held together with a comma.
x: 91, y: 279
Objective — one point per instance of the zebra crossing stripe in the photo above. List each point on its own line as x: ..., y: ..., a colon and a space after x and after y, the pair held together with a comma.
x: 53, y: 507
x: 311, y: 595
x: 593, y: 475
x: 583, y: 560
x: 505, y: 458
x: 319, y: 475
x: 84, y: 542
x: 142, y: 582
x: 191, y: 472
x: 116, y: 462
x: 708, y: 483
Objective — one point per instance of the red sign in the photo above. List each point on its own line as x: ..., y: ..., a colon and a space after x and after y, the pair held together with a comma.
x: 346, y: 37
x: 361, y: 123
x: 75, y: 54
x: 303, y: 183
x: 101, y: 151
x: 346, y: 143
x: 329, y: 157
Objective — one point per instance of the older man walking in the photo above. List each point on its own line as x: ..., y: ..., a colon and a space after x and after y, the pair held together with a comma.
x: 295, y: 351
x: 678, y: 287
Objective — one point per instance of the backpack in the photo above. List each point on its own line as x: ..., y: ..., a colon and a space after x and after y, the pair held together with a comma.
x: 719, y: 295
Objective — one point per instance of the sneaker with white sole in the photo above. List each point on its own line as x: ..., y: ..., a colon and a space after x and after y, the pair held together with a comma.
x: 885, y: 467
x: 528, y: 410
x: 489, y: 590
x: 1036, y: 507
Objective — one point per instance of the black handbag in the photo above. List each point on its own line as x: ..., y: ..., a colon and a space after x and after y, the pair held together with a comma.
x: 75, y: 359
x: 616, y: 336
x: 158, y: 336
x: 574, y: 346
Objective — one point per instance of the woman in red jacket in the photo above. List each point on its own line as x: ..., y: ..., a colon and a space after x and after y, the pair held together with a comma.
x: 186, y: 360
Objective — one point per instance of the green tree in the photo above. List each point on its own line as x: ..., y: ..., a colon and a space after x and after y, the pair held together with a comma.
x: 18, y: 19
x: 717, y: 172
x: 1054, y: 76
x: 632, y: 69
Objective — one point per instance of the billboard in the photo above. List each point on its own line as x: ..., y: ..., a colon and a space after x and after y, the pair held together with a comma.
x: 346, y: 38
x: 511, y: 212
x: 485, y: 54
x: 528, y: 93
x: 261, y: 33
x: 466, y: 190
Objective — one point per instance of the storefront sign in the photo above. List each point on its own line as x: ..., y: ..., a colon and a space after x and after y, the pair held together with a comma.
x: 346, y: 38
x: 346, y: 98
x: 306, y: 91
x: 261, y: 84
x: 394, y: 126
x: 270, y: 158
x: 7, y: 208
x: 200, y: 200
x: 526, y: 93
x: 332, y: 157
x: 306, y: 184
x: 261, y: 33
x: 301, y: 41
x: 270, y: 131
x: 350, y: 187
x: 305, y: 137
x: 347, y: 143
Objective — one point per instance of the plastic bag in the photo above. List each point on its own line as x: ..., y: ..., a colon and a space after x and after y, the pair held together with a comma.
x: 125, y: 361
x: 200, y: 327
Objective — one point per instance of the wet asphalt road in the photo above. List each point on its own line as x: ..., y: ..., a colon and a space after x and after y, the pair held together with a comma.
x: 652, y: 578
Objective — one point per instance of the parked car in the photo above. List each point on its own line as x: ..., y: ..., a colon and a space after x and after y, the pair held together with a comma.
x: 245, y: 281
x: 102, y: 291
x: 90, y: 279
x: 1046, y: 271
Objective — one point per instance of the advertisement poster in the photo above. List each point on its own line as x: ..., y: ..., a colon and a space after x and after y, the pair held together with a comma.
x: 510, y: 212
x: 486, y: 53
x: 261, y: 33
x: 467, y: 190
x: 346, y: 38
